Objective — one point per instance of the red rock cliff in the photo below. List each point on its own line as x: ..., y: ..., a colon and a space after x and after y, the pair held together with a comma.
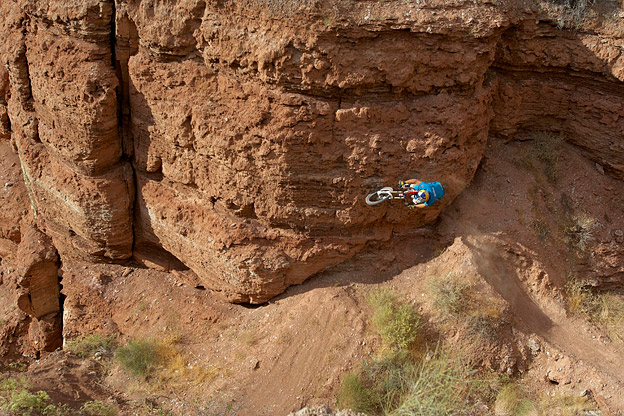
x: 241, y: 137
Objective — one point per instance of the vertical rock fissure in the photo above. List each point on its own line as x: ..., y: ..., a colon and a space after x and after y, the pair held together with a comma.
x: 62, y: 297
x: 124, y: 44
x: 113, y: 35
x: 26, y: 77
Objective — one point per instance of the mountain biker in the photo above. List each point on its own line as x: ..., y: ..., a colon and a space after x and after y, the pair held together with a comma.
x: 421, y: 194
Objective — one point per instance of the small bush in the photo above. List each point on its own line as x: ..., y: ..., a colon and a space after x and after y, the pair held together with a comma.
x: 86, y: 346
x: 448, y: 294
x: 579, y: 230
x: 547, y: 151
x: 97, y: 408
x: 541, y: 229
x: 378, y: 386
x: 483, y: 325
x: 579, y: 299
x: 541, y: 155
x: 140, y: 357
x: 573, y: 13
x: 17, y: 366
x: 396, y: 323
x: 441, y: 385
x: 24, y: 403
x: 12, y: 384
x: 354, y: 395
x: 162, y: 361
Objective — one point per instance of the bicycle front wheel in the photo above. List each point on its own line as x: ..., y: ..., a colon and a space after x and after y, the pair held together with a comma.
x: 377, y: 197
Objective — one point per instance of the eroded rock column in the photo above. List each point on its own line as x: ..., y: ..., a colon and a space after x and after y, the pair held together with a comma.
x: 63, y: 113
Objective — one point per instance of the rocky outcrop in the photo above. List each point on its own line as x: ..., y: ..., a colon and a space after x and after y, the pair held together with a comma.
x: 32, y: 269
x: 569, y: 82
x: 37, y: 275
x: 272, y: 133
x: 239, y: 138
x: 63, y: 116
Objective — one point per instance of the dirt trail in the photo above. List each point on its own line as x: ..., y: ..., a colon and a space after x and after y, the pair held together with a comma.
x: 565, y: 333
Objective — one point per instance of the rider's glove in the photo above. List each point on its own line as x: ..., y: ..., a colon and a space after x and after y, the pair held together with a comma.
x: 411, y: 206
x: 401, y: 184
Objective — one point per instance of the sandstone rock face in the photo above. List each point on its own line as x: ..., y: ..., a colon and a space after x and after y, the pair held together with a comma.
x: 240, y: 138
x: 37, y: 269
x: 63, y: 114
x: 271, y: 134
x: 565, y: 82
x: 32, y: 270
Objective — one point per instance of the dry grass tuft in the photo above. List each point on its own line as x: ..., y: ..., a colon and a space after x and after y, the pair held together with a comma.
x: 606, y: 310
x: 580, y: 231
x: 512, y: 401
x: 449, y: 294
x: 541, y: 156
x: 566, y: 405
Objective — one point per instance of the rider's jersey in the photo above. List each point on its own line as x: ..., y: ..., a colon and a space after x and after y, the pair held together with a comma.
x: 434, y: 189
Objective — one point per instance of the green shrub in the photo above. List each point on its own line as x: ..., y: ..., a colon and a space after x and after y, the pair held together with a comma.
x: 396, y: 323
x: 86, y: 346
x: 441, y: 385
x: 448, y: 294
x: 140, y: 357
x: 11, y: 384
x: 97, y: 408
x: 378, y: 386
x: 17, y: 366
x: 354, y: 395
x: 23, y: 403
x: 16, y: 399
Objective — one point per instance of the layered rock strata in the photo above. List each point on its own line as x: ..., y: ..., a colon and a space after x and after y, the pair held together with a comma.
x: 568, y: 82
x: 239, y: 138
